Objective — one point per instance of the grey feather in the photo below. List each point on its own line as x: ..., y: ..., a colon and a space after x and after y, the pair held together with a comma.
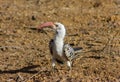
x: 71, y: 52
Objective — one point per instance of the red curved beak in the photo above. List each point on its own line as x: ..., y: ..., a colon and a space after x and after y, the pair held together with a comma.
x: 47, y: 24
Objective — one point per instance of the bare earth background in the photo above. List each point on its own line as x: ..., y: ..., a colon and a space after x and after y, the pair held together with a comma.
x: 93, y: 24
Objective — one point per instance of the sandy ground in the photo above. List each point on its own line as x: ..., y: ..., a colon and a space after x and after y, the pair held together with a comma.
x: 92, y: 24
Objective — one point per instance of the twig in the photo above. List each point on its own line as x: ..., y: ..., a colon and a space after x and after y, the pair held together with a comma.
x: 32, y: 76
x: 80, y: 53
x: 46, y: 34
x: 109, y: 41
x: 20, y: 76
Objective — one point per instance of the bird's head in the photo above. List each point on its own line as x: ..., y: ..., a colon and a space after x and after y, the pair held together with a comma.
x: 58, y: 27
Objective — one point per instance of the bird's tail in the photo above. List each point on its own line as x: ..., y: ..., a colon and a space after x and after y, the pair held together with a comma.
x: 77, y: 51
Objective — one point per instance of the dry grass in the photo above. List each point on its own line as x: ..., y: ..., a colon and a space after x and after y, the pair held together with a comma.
x: 24, y: 53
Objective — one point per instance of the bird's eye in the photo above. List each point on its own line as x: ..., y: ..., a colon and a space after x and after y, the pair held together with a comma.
x: 56, y: 25
x: 56, y: 32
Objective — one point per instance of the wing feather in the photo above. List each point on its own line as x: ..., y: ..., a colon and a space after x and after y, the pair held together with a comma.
x: 51, y: 43
x: 68, y: 51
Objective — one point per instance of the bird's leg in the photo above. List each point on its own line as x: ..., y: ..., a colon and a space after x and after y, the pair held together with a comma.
x: 69, y: 64
x: 53, y: 64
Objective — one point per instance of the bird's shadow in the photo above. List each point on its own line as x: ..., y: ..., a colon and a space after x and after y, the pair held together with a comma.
x: 95, y: 57
x: 38, y: 30
x: 33, y: 28
x: 28, y: 69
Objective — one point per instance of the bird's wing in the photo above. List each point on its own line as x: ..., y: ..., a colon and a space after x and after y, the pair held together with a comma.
x: 51, y: 43
x: 68, y: 51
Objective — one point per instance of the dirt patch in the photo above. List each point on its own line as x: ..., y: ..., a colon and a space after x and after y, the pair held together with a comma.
x: 94, y: 25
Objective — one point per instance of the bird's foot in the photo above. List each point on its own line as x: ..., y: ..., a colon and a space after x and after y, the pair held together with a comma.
x: 53, y: 65
x: 70, y: 71
x: 54, y: 69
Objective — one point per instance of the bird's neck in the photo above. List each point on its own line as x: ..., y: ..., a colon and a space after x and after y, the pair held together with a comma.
x: 59, y: 42
x: 59, y: 37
